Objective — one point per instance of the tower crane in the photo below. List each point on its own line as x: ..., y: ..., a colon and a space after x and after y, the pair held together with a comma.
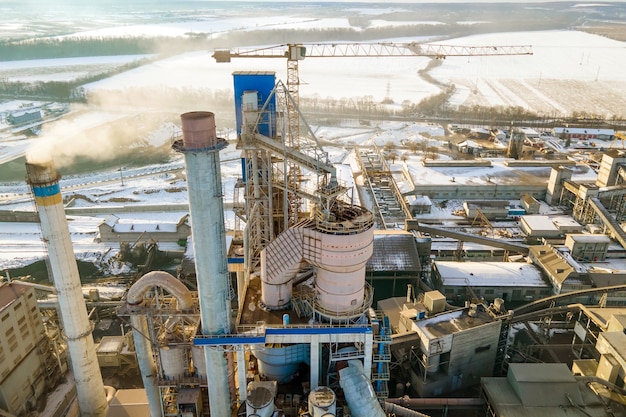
x: 258, y: 217
x: 297, y: 52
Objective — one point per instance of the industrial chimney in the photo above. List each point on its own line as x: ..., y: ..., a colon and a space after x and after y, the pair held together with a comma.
x: 44, y: 182
x: 201, y: 147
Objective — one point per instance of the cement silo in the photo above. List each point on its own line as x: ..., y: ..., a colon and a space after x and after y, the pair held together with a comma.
x: 44, y: 181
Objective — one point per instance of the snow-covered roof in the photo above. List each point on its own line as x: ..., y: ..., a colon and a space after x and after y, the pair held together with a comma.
x: 538, y: 222
x: 529, y: 132
x: 564, y: 221
x: 111, y: 221
x: 583, y: 130
x: 420, y: 200
x: 589, y: 238
x: 469, y: 144
x: 484, y: 274
x: 148, y: 227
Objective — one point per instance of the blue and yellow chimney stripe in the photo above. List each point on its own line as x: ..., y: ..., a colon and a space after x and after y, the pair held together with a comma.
x: 47, y: 195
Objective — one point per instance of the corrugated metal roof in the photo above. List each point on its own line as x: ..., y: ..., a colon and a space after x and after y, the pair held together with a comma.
x: 11, y: 292
x: 394, y: 252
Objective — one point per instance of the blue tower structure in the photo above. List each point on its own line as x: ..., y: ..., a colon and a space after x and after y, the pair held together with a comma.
x: 253, y: 91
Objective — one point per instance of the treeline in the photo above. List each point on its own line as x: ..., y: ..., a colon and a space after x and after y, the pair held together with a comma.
x: 63, y: 91
x: 437, y: 106
x: 99, y: 46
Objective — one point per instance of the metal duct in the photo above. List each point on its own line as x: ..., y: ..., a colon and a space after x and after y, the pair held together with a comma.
x: 141, y: 333
x: 200, y: 146
x: 357, y: 389
x: 44, y: 181
x: 164, y: 280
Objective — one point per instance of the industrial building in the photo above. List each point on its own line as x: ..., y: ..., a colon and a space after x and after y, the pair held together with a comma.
x: 113, y: 229
x: 532, y: 389
x: 512, y: 281
x: 564, y: 273
x: 537, y: 226
x: 447, y: 351
x: 302, y: 311
x: 28, y: 368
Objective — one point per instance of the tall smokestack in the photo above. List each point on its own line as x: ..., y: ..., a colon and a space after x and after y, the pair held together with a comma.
x: 201, y: 147
x: 44, y: 182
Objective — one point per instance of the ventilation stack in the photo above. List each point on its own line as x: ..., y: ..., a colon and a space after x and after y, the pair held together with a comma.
x: 44, y: 181
x: 201, y: 147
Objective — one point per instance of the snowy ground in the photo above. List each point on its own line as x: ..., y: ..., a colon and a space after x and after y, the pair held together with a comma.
x: 569, y: 71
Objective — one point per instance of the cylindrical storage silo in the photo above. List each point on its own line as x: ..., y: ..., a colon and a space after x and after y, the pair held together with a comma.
x: 340, y: 280
x: 199, y: 361
x: 260, y: 402
x: 322, y: 402
x: 173, y: 362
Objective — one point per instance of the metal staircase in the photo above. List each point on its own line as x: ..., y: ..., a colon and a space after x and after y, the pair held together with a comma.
x: 382, y: 356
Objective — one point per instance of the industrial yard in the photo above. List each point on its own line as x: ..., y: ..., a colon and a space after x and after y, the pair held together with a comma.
x: 397, y: 225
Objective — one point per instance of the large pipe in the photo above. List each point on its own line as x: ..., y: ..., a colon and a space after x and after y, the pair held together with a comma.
x: 399, y: 411
x: 200, y: 146
x: 432, y: 402
x: 141, y: 332
x: 90, y: 391
x: 358, y: 391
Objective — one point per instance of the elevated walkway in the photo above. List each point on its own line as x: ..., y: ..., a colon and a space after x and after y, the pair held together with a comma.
x: 608, y: 220
x: 467, y: 237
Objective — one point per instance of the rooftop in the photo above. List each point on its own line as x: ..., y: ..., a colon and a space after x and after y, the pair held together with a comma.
x: 11, y: 292
x: 394, y: 251
x: 490, y: 274
x: 545, y: 390
x: 451, y: 322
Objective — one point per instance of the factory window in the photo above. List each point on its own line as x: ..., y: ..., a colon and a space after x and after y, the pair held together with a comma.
x: 21, y: 320
x: 482, y: 349
x: 489, y: 291
x: 5, y: 317
x: 530, y: 292
x: 18, y: 305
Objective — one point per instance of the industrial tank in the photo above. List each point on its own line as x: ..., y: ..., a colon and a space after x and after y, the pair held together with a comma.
x: 199, y: 361
x: 260, y: 398
x: 322, y: 402
x: 173, y: 362
x: 281, y: 363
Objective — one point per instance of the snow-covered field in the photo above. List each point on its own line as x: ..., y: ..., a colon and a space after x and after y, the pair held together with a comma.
x: 569, y: 71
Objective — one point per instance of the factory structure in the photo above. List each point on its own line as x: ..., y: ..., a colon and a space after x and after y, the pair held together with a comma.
x: 286, y: 321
